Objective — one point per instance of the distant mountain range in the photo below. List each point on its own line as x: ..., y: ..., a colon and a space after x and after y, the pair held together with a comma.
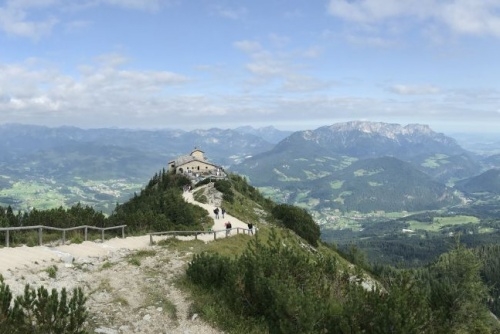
x: 347, y: 166
x: 364, y: 166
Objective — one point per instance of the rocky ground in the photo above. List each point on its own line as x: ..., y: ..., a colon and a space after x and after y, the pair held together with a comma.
x: 128, y: 291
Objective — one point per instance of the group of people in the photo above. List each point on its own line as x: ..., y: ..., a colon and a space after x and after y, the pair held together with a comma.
x: 229, y: 227
x: 228, y: 223
x: 216, y: 212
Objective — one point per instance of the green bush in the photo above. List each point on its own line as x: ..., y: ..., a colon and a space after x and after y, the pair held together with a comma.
x: 203, y: 182
x: 209, y: 270
x: 224, y: 186
x: 39, y: 312
x: 52, y: 271
x: 299, y: 221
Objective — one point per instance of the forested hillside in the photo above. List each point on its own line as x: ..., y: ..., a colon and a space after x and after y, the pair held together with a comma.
x: 487, y: 182
x: 277, y: 285
x: 381, y: 184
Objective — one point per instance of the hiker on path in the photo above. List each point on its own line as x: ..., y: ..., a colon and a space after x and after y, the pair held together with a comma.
x: 216, y: 212
x: 250, y: 228
x: 223, y: 211
x: 228, y: 228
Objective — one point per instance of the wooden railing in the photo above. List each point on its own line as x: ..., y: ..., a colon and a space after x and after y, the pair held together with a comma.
x: 40, y: 229
x: 196, y: 233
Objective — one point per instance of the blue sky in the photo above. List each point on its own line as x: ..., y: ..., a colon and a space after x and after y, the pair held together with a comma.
x: 294, y: 64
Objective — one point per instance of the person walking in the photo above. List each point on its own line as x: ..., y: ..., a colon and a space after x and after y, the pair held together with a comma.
x: 250, y: 228
x: 223, y: 211
x: 216, y: 213
x: 228, y: 228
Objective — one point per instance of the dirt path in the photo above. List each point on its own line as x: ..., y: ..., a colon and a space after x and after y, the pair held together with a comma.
x: 15, y: 258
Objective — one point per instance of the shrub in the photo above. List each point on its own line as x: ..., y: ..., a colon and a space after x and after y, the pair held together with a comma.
x: 224, y: 186
x: 299, y: 221
x: 51, y: 271
x: 37, y: 311
x: 76, y: 238
x: 209, y: 270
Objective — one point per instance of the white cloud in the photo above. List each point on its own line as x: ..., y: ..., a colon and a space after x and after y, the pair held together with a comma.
x: 414, y: 89
x: 14, y: 21
x: 472, y: 17
x: 282, y: 69
x: 302, y: 83
x: 107, y: 93
x: 312, y: 52
x: 146, y: 5
x: 477, y: 17
x: 37, y: 18
x: 248, y: 46
x: 279, y: 40
x: 375, y: 41
x: 231, y: 13
x: 99, y: 92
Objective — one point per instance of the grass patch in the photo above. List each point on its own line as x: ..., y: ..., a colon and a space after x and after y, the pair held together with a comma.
x: 189, y: 246
x: 244, y: 209
x: 168, y: 307
x: 145, y: 253
x: 120, y: 300
x: 337, y: 184
x: 440, y: 222
x: 104, y: 285
x: 199, y: 196
x: 135, y: 259
x: 51, y: 271
x: 214, y: 311
x: 76, y: 238
x: 107, y: 265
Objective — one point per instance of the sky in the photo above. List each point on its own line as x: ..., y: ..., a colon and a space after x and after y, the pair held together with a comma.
x: 291, y: 64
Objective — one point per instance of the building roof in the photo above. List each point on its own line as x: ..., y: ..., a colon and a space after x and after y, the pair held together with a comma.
x: 184, y: 159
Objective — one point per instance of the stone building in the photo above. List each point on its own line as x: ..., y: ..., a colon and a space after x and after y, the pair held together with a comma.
x: 196, y: 165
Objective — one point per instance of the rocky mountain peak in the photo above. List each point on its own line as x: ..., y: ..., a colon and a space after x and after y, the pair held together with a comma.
x: 389, y: 130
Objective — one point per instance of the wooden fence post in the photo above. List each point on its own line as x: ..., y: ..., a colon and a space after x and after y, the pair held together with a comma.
x: 102, y: 235
x: 40, y: 229
x: 7, y: 238
x: 123, y: 232
x: 64, y: 237
x: 85, y: 233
